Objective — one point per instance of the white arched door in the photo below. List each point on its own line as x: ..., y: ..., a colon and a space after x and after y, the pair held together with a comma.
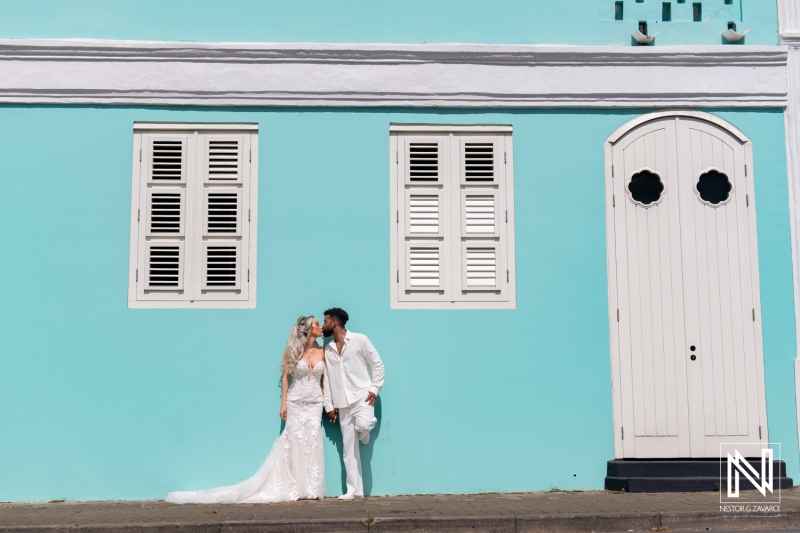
x: 686, y: 352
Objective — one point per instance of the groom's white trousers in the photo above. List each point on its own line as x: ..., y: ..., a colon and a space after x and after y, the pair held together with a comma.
x: 355, y: 419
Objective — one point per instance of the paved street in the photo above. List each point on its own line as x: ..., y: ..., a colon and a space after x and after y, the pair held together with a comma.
x: 538, y: 511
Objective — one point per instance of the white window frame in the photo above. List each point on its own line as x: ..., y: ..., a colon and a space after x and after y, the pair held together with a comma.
x: 194, y: 237
x: 451, y: 238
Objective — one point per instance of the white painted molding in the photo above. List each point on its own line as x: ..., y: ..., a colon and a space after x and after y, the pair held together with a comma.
x: 791, y: 40
x: 700, y: 115
x: 789, y: 24
x: 788, y: 17
x: 792, y: 133
x: 194, y: 126
x: 446, y: 128
x: 789, y: 27
x: 443, y: 75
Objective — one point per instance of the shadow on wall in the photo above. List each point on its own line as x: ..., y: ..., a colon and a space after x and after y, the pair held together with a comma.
x: 366, y: 451
x: 334, y: 434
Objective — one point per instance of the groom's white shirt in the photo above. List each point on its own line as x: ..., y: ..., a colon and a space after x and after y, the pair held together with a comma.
x: 349, y: 373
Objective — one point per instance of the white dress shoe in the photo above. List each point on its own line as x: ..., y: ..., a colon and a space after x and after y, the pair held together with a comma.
x: 347, y: 496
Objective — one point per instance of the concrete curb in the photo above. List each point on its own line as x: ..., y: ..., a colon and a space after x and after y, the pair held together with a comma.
x: 701, y: 520
x: 446, y: 524
x: 786, y: 520
x: 288, y: 526
x: 589, y: 522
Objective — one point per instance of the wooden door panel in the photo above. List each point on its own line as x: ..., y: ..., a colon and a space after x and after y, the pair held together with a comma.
x: 649, y: 277
x: 720, y: 307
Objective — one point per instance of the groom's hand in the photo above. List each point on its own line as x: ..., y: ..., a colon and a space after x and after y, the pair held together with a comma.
x: 371, y: 398
x: 333, y: 415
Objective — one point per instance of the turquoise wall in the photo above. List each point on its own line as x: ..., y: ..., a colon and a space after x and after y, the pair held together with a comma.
x: 98, y: 401
x: 582, y: 22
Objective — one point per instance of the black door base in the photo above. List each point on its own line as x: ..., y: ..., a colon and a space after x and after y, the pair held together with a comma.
x: 682, y: 475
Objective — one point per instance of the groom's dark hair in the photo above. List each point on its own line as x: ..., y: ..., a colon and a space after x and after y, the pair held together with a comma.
x: 339, y: 314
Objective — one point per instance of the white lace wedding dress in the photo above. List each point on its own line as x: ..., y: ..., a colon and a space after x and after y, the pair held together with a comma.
x: 295, y: 468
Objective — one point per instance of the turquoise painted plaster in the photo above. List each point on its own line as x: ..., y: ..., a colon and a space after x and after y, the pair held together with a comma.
x: 98, y: 401
x: 652, y: 11
x: 579, y: 22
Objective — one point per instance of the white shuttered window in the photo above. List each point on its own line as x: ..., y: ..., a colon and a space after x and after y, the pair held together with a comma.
x: 452, y: 217
x: 193, y: 216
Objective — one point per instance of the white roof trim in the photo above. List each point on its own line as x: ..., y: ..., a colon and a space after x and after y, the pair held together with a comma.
x: 460, y: 128
x: 194, y: 126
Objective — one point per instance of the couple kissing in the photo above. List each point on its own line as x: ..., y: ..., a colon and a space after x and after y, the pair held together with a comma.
x: 344, y: 378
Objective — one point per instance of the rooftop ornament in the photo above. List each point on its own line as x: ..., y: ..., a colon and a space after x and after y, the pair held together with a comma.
x: 641, y: 38
x: 640, y: 35
x: 732, y: 36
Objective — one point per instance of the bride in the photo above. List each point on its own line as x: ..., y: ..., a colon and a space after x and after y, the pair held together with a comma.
x: 294, y: 469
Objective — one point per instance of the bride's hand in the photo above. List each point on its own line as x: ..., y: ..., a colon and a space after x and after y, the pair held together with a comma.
x: 283, y: 411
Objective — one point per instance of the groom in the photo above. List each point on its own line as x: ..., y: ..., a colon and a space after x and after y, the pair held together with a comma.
x: 351, y: 360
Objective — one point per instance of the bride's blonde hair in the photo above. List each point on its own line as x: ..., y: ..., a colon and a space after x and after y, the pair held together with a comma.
x: 296, y: 345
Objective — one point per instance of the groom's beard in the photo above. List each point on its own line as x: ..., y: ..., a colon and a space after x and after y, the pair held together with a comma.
x: 327, y: 332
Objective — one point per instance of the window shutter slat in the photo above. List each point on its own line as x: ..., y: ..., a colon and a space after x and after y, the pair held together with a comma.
x: 165, y: 212
x: 424, y: 213
x: 479, y: 160
x: 481, y: 266
x: 479, y: 213
x: 222, y: 212
x: 423, y: 157
x: 164, y: 266
x: 167, y: 159
x: 223, y: 158
x: 222, y: 266
x: 424, y: 267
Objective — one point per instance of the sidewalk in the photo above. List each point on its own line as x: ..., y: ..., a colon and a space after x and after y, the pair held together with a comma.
x: 536, y: 511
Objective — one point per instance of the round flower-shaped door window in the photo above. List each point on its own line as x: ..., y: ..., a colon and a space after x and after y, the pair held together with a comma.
x: 646, y: 188
x: 714, y: 188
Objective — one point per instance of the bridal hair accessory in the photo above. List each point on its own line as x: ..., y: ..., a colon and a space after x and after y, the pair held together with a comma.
x: 303, y: 323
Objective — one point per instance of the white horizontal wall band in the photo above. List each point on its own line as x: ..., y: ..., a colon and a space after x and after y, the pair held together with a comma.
x: 444, y: 75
